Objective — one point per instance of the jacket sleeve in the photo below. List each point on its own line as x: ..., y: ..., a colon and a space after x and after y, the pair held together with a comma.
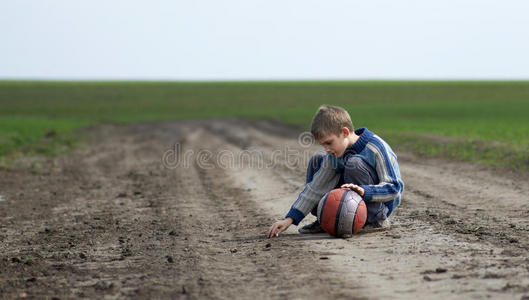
x: 390, y: 186
x: 325, y: 179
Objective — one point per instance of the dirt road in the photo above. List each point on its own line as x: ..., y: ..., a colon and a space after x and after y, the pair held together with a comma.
x: 127, y: 218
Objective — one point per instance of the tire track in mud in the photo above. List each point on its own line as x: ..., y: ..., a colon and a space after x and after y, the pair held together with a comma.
x: 101, y: 235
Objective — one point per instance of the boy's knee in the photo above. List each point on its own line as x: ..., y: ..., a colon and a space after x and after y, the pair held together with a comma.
x: 356, y: 167
x: 357, y: 171
x: 355, y: 162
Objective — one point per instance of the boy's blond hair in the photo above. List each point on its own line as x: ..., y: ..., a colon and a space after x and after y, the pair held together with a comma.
x: 330, y: 120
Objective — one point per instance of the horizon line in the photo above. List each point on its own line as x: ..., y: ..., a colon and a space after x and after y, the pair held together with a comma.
x: 219, y: 80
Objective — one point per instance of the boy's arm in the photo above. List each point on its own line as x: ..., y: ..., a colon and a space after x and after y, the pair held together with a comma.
x: 390, y: 186
x: 325, y: 179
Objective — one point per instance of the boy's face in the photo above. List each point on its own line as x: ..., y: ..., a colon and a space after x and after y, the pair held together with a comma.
x: 333, y: 144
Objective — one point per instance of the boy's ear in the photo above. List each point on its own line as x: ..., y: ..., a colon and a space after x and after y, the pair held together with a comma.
x: 346, y: 131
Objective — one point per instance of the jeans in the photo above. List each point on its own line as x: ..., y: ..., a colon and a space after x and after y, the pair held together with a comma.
x: 356, y: 171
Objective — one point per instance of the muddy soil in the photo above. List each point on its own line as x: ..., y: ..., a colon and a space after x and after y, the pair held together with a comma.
x: 181, y: 209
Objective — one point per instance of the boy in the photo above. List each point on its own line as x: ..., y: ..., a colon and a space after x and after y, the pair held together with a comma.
x: 355, y: 159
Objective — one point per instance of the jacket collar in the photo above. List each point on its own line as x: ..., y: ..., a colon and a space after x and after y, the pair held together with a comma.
x: 364, y: 137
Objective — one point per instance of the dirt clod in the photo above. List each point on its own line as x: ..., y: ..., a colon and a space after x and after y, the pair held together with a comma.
x: 16, y: 260
x: 103, y: 285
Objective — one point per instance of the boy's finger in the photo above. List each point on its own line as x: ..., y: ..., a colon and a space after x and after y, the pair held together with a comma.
x: 272, y: 231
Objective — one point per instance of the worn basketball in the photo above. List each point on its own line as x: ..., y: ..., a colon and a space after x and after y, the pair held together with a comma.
x: 342, y: 212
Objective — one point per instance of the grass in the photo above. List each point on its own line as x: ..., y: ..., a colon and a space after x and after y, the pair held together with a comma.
x: 485, y: 121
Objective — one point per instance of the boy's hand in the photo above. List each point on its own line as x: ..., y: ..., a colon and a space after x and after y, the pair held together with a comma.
x: 358, y: 189
x: 279, y: 227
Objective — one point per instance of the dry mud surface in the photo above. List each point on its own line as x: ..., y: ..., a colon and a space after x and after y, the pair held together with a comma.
x: 124, y: 218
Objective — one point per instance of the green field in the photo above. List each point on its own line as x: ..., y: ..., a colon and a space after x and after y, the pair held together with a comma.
x: 485, y: 121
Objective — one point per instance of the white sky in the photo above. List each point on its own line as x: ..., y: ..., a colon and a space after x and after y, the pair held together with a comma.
x: 253, y: 39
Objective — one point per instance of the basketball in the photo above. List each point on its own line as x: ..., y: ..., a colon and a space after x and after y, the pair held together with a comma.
x: 342, y: 212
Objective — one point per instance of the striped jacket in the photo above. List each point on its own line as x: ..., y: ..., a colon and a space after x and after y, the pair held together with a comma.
x: 373, y: 150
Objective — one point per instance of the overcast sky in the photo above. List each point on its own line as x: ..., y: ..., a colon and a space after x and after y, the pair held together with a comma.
x: 253, y: 39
